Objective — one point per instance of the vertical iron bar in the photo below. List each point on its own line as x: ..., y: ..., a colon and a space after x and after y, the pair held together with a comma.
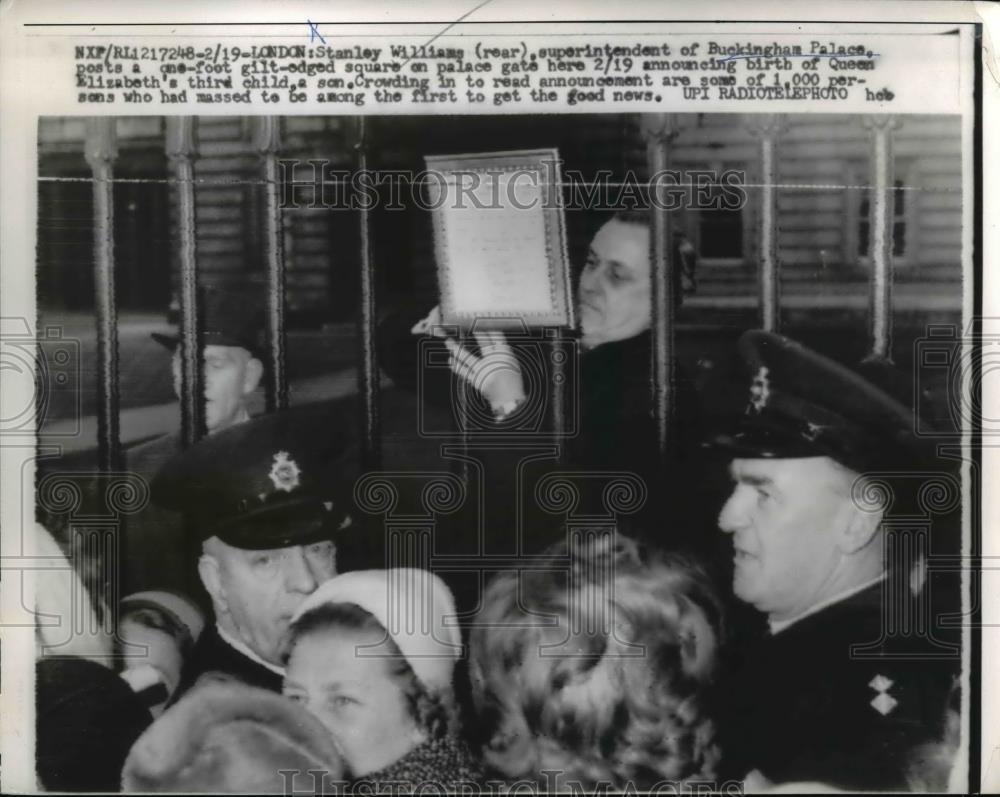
x: 560, y: 350
x: 462, y: 396
x: 180, y: 146
x: 767, y: 128
x: 267, y: 133
x: 661, y: 131
x: 560, y: 354
x: 368, y: 366
x: 101, y: 151
x: 880, y: 232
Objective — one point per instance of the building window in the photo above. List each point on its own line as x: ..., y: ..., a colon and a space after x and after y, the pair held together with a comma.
x: 899, y: 211
x: 719, y: 231
x: 142, y: 236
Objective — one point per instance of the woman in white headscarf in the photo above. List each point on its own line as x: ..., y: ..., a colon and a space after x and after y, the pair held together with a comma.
x: 372, y: 656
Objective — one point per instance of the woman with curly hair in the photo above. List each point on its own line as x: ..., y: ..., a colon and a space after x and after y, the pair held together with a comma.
x: 592, y: 669
x: 372, y: 655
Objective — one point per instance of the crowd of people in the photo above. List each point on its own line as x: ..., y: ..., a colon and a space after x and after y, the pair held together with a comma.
x: 603, y: 662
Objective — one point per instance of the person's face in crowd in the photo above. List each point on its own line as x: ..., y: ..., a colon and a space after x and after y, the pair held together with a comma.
x: 354, y: 696
x: 255, y: 593
x: 793, y: 523
x: 231, y: 375
x: 614, y: 292
x: 152, y: 646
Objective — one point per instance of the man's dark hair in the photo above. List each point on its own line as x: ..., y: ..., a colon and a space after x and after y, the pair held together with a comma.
x: 633, y: 216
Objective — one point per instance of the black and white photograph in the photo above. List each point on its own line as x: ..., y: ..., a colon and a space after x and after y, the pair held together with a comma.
x: 503, y: 450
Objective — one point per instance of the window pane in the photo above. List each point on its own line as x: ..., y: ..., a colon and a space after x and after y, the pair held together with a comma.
x: 898, y: 227
x: 721, y: 233
x: 899, y: 238
x: 899, y: 199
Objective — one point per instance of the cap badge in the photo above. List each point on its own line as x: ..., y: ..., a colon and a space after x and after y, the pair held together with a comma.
x: 284, y: 472
x: 760, y: 390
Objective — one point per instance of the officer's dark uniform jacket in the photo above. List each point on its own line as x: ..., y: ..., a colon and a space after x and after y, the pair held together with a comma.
x: 609, y: 417
x: 803, y: 707
x: 213, y: 654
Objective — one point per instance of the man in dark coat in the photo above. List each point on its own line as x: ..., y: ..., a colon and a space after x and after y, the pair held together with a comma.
x: 834, y: 693
x: 506, y: 383
x: 266, y: 501
x: 232, y: 372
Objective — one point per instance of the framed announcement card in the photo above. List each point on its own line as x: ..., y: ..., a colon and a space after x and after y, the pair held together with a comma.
x: 500, y: 239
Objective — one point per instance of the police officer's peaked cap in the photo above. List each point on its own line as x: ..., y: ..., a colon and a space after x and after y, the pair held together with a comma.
x: 802, y: 404
x: 278, y: 480
x: 229, y: 317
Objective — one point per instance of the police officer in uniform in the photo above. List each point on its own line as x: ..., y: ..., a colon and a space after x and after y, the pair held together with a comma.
x: 266, y: 500
x: 831, y: 694
x: 232, y: 373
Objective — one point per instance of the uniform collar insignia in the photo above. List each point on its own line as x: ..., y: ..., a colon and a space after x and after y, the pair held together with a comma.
x: 883, y: 702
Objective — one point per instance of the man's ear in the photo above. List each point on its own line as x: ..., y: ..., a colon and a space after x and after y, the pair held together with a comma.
x: 208, y: 570
x: 252, y: 375
x: 860, y: 528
